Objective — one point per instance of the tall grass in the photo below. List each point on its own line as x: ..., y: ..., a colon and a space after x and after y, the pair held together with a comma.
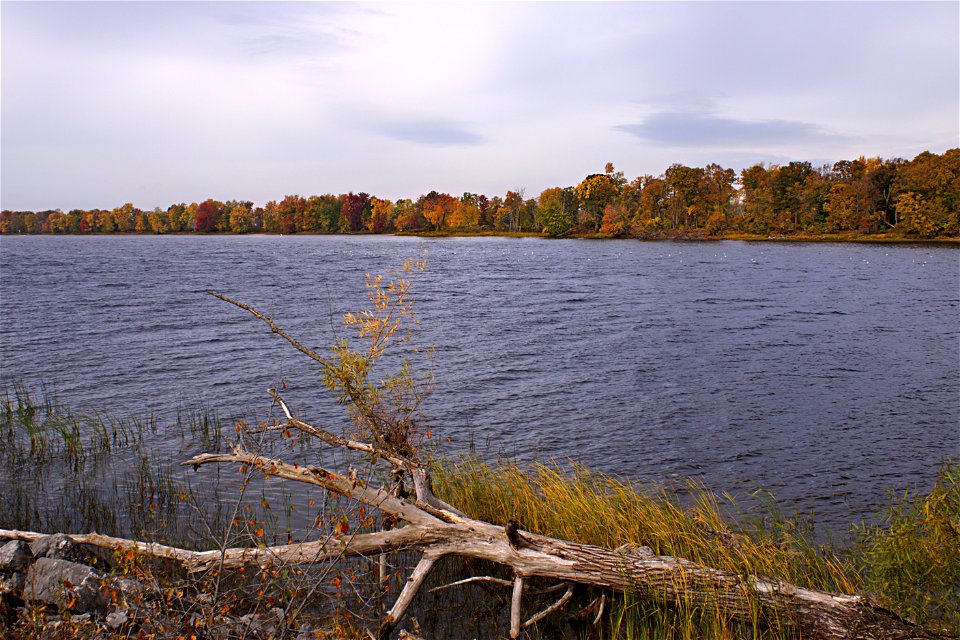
x: 70, y: 471
x: 911, y: 562
x: 40, y: 429
x: 911, y: 558
x: 594, y: 508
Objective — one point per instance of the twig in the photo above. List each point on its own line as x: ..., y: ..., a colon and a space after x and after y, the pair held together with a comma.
x: 500, y: 581
x: 420, y: 573
x: 310, y: 353
x: 335, y: 440
x: 564, y: 599
x: 603, y: 602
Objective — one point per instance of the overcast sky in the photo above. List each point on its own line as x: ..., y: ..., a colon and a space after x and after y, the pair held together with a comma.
x: 156, y: 103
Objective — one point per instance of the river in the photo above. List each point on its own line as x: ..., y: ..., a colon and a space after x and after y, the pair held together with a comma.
x: 826, y: 374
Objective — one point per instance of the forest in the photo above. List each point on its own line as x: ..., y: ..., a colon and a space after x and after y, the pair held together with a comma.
x: 918, y: 198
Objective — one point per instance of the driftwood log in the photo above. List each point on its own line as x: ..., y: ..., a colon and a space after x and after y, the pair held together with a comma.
x: 436, y: 529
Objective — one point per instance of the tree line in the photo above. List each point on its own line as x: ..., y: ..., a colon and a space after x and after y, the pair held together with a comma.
x: 919, y: 197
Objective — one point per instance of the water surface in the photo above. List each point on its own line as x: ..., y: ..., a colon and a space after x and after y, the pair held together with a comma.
x: 824, y: 373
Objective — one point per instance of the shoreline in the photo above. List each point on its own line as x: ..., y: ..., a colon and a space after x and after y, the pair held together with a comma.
x: 847, y: 238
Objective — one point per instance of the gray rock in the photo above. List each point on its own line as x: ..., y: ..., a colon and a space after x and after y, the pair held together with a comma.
x: 116, y: 618
x: 59, y: 546
x: 15, y: 556
x: 262, y: 625
x: 130, y: 590
x: 66, y: 584
x: 11, y: 583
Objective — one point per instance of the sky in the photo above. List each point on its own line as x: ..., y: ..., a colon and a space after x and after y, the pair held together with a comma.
x: 163, y: 102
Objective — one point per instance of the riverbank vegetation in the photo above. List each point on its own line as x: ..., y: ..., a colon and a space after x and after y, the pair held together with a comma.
x: 859, y: 200
x: 907, y: 559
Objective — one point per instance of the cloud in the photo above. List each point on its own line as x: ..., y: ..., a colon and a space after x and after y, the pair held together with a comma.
x: 433, y: 133
x: 705, y: 128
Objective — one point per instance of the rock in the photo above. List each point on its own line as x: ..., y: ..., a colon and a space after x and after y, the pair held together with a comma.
x: 58, y: 546
x: 66, y: 584
x: 15, y: 556
x: 11, y: 583
x: 261, y: 625
x: 75, y: 627
x: 129, y: 590
x: 116, y: 618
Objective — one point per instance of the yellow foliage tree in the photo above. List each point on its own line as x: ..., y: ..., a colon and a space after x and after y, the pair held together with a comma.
x: 380, y: 216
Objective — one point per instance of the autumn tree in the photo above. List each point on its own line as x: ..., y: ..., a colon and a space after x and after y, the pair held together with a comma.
x: 685, y: 201
x: 157, y: 221
x: 914, y: 214
x: 123, y: 217
x: 757, y: 205
x: 594, y: 193
x: 288, y: 211
x: 381, y: 215
x: 466, y: 214
x: 508, y: 215
x: 11, y: 222
x: 241, y: 218
x: 206, y: 221
x: 140, y: 224
x: 437, y: 208
x: 717, y: 193
x: 177, y: 219
x: 354, y: 211
x: 936, y: 179
x: 90, y: 221
x: 485, y: 214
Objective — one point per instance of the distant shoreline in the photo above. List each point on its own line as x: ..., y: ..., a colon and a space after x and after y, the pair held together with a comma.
x: 851, y: 238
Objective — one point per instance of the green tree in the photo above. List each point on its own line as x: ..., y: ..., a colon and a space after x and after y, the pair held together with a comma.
x: 554, y: 214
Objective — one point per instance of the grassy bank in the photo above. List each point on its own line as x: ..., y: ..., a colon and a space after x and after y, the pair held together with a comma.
x: 909, y: 562
x: 74, y: 472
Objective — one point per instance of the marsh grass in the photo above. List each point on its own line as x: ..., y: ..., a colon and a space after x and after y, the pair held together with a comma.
x: 911, y: 558
x: 94, y: 472
x: 593, y: 508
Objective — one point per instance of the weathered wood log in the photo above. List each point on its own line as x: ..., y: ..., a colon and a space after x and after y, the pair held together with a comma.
x: 662, y: 579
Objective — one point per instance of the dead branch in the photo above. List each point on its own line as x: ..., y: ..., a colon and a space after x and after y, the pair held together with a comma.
x: 310, y: 353
x: 556, y: 606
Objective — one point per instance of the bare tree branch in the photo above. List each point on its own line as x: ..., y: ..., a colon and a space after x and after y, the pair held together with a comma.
x: 310, y: 353
x: 564, y: 599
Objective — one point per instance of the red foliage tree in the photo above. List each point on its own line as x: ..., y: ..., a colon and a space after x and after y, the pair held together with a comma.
x: 207, y: 216
x: 352, y: 211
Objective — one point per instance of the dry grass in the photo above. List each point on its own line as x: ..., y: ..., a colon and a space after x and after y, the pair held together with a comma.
x: 593, y: 508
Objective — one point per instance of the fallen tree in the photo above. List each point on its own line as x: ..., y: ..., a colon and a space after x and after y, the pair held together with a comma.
x: 422, y: 523
x: 436, y: 530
